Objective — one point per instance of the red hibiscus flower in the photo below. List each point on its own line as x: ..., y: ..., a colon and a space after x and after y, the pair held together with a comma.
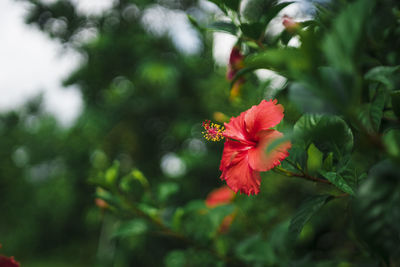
x: 8, y: 262
x: 246, y: 152
x: 219, y: 196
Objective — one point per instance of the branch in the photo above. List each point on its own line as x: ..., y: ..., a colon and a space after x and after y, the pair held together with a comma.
x: 302, y: 175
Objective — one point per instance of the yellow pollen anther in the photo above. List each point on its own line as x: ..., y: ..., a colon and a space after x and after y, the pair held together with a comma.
x: 213, y: 131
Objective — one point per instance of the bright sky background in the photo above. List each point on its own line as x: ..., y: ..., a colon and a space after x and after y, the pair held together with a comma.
x: 32, y: 63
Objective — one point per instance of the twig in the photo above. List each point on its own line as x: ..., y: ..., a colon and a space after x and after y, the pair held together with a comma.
x: 302, y: 175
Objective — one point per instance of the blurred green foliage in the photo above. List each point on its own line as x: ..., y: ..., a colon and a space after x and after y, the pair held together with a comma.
x: 125, y: 185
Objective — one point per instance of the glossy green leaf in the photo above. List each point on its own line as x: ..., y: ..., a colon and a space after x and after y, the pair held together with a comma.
x: 175, y: 258
x: 252, y: 30
x: 108, y: 197
x: 149, y: 210
x: 218, y: 214
x: 131, y: 228
x: 111, y: 173
x: 376, y: 211
x: 338, y: 181
x: 232, y: 4
x: 221, y: 5
x: 328, y: 133
x: 396, y: 102
x: 195, y: 23
x: 307, y: 100
x: 341, y: 45
x: 328, y: 162
x: 166, y: 190
x: 255, y: 249
x: 240, y: 73
x: 298, y: 158
x: 223, y: 26
x: 280, y: 60
x: 314, y: 158
x: 306, y: 210
x: 352, y: 175
x: 376, y: 109
x: 252, y: 10
x: 391, y: 140
x: 384, y: 75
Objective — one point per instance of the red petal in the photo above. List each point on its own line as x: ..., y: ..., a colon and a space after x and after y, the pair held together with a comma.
x: 8, y: 262
x: 219, y: 196
x: 263, y: 116
x: 236, y: 129
x: 232, y: 149
x: 226, y: 223
x: 240, y: 177
x: 262, y: 160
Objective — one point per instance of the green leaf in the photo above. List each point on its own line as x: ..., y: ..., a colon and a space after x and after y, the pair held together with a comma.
x: 195, y: 221
x: 298, y: 156
x: 131, y: 228
x: 376, y: 211
x: 194, y: 23
x: 223, y: 26
x: 280, y: 60
x: 338, y: 181
x: 306, y: 99
x: 391, y: 141
x: 314, y: 158
x: 328, y: 162
x: 255, y: 249
x: 221, y: 5
x: 285, y: 37
x: 252, y: 10
x: 217, y: 214
x: 383, y: 74
x: 232, y: 4
x: 108, y: 197
x: 396, y: 102
x: 364, y: 117
x: 376, y: 109
x: 112, y: 173
x: 239, y: 74
x: 165, y: 190
x: 138, y: 175
x: 177, y: 219
x: 175, y: 258
x: 307, y: 209
x: 252, y: 30
x: 328, y: 133
x: 134, y: 183
x: 341, y: 45
x: 149, y: 210
x: 370, y: 114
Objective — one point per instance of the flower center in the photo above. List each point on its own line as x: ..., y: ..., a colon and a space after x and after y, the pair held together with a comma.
x: 213, y: 131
